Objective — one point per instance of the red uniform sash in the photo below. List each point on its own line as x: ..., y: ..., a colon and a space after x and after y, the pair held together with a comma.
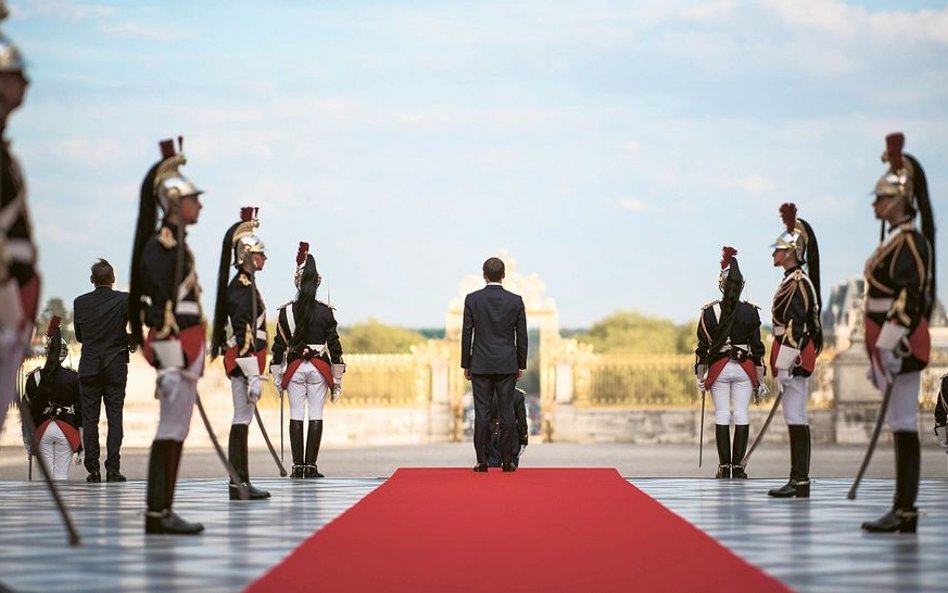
x: 807, y: 358
x: 192, y: 345
x: 920, y: 341
x: 321, y: 365
x: 716, y: 367
x: 71, y: 432
x: 230, y: 360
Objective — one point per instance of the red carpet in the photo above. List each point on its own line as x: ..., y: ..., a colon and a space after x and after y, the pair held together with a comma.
x: 549, y: 530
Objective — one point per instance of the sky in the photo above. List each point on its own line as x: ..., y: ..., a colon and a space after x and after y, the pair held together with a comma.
x: 610, y: 147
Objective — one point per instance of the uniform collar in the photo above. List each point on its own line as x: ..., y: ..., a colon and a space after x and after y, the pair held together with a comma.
x: 173, y: 228
x: 909, y: 221
x: 793, y: 270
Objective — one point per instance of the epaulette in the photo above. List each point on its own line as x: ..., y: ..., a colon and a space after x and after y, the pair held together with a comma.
x: 166, y: 238
x: 286, y: 304
x: 798, y: 275
x: 327, y: 305
x: 36, y: 370
x: 711, y: 304
x: 751, y: 304
x: 244, y: 280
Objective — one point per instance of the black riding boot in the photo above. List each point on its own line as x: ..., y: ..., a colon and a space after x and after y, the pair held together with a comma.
x: 722, y: 436
x: 162, y: 475
x: 741, y: 432
x: 903, y: 517
x: 239, y: 458
x: 313, y: 439
x: 799, y: 483
x: 296, y: 447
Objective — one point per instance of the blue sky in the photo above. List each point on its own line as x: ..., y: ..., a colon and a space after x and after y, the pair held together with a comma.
x: 611, y: 147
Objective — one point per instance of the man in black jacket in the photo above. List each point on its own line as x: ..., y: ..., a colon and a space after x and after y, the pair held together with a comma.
x: 494, y: 356
x: 101, y: 317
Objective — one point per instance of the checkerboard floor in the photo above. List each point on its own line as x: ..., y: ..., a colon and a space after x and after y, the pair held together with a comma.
x: 812, y: 545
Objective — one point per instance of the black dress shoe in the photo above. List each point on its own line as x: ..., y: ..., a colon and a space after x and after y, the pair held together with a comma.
x: 508, y: 467
x: 738, y: 473
x: 94, y: 477
x: 793, y: 488
x: 253, y: 493
x: 312, y: 471
x: 115, y: 477
x: 896, y: 520
x: 724, y: 472
x: 480, y: 467
x: 167, y: 523
x: 297, y: 471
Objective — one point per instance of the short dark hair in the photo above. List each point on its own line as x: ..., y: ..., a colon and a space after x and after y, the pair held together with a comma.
x: 102, y: 273
x: 494, y: 269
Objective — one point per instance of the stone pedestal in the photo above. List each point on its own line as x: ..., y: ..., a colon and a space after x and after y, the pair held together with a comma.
x: 856, y: 399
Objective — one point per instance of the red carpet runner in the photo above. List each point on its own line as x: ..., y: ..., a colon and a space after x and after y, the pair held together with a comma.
x: 549, y: 530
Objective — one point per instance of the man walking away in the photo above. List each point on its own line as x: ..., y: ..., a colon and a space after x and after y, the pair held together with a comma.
x: 101, y: 317
x: 494, y: 356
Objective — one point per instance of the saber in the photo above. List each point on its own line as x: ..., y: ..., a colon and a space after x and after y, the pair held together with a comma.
x: 281, y: 425
x: 763, y: 429
x: 27, y: 417
x: 872, y: 441
x: 266, y: 438
x: 241, y: 489
x: 701, y: 432
x: 29, y: 468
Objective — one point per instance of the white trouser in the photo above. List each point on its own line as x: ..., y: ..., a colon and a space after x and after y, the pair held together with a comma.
x: 12, y: 350
x: 178, y: 405
x: 56, y: 451
x: 796, y: 392
x: 243, y: 407
x: 732, y: 384
x: 307, y: 385
x: 902, y: 415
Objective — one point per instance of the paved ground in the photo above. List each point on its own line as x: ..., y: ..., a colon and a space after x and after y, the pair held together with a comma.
x: 769, y: 461
x: 814, y: 545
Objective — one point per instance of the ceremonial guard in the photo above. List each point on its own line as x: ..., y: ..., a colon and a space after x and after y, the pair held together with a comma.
x: 240, y: 307
x: 797, y: 340
x: 52, y: 392
x: 900, y: 296
x: 307, y: 362
x: 19, y: 280
x: 941, y: 414
x: 729, y: 363
x: 165, y: 294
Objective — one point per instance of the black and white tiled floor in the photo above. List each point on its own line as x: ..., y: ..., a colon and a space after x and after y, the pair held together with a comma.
x: 812, y: 545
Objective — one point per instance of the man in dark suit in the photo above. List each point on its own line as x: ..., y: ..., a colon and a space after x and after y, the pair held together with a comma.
x: 494, y: 356
x: 101, y: 317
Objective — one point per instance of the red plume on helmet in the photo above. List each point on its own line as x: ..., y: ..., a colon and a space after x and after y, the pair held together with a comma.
x: 788, y: 214
x: 53, y: 326
x: 246, y: 213
x: 894, y: 143
x: 301, y: 253
x: 726, y: 254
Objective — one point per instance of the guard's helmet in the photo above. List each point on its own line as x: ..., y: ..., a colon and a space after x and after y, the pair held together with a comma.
x: 55, y: 343
x: 170, y: 184
x: 306, y: 271
x: 731, y: 276
x: 11, y: 60
x: 796, y: 234
x: 245, y: 241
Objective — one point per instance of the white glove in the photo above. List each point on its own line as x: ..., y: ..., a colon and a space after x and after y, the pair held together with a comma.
x: 783, y: 377
x: 761, y: 373
x: 254, y: 389
x: 890, y: 362
x: 762, y: 392
x: 169, y: 381
x: 941, y: 433
x: 277, y: 371
x: 80, y: 457
x: 335, y: 393
x: 699, y: 381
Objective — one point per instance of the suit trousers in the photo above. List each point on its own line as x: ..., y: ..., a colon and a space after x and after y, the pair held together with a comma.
x: 108, y: 386
x: 485, y: 388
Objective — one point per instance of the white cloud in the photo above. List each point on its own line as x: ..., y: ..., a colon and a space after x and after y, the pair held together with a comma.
x: 708, y: 11
x: 139, y: 31
x: 755, y: 184
x: 83, y: 150
x: 632, y: 204
x: 850, y: 22
x: 66, y: 10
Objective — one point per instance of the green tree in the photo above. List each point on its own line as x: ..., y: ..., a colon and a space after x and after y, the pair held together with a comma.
x: 55, y: 306
x: 374, y: 337
x: 631, y: 331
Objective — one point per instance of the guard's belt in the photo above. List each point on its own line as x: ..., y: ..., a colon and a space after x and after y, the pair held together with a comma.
x: 879, y: 305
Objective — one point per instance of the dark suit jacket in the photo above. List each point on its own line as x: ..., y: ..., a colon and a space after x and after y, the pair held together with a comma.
x: 494, y: 338
x: 99, y: 319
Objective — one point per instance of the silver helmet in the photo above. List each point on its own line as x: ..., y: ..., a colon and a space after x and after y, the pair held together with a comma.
x: 898, y: 180
x: 170, y: 184
x: 794, y: 235
x: 11, y: 60
x: 245, y: 241
x: 55, y: 342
